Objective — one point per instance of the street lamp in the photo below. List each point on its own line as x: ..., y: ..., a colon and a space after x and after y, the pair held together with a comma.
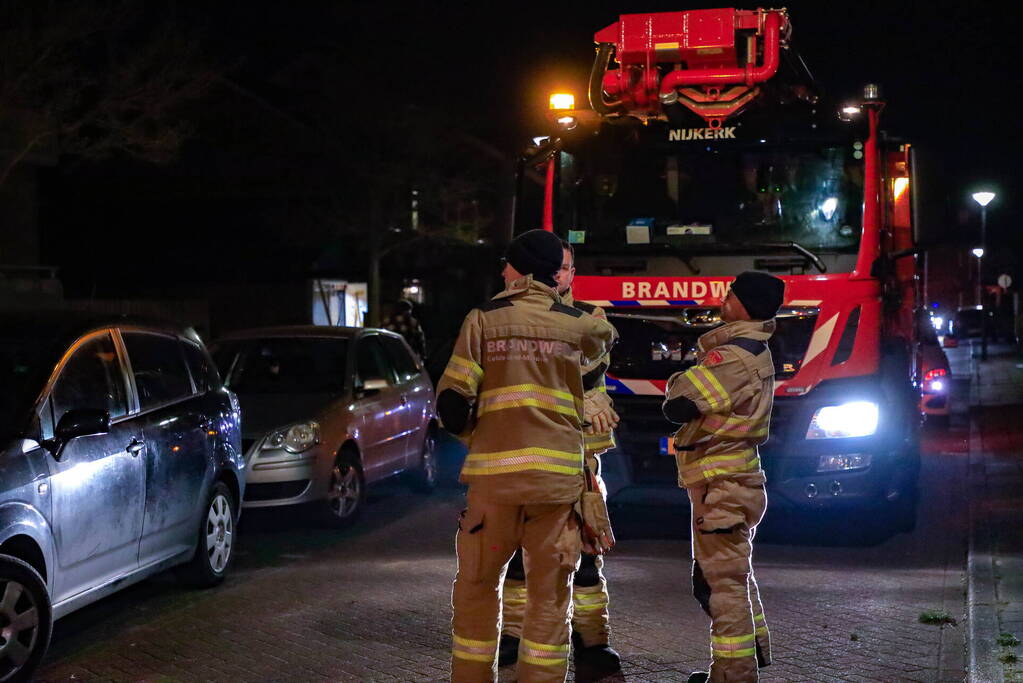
x: 983, y: 198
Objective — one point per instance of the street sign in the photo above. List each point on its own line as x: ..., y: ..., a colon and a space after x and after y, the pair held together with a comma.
x: 1004, y: 281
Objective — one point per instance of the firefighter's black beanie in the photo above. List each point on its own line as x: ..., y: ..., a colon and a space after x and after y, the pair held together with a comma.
x: 537, y: 253
x: 761, y: 294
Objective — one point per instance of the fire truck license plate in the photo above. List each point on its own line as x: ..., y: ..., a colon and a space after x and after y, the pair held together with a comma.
x: 667, y: 445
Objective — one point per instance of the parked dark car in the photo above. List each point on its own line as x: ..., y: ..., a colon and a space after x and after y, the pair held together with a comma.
x: 120, y: 457
x: 329, y: 410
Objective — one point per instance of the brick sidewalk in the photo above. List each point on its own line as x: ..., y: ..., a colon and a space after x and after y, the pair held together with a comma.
x: 995, y: 563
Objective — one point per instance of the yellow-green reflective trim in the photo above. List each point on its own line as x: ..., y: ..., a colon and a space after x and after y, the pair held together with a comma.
x: 560, y: 661
x: 698, y: 383
x: 761, y: 630
x: 462, y: 375
x: 751, y: 465
x: 474, y: 643
x: 589, y: 608
x: 545, y: 647
x: 731, y: 640
x: 528, y: 387
x: 467, y: 364
x: 725, y: 399
x: 472, y: 657
x: 526, y: 403
x: 547, y: 452
x: 508, y: 469
x: 735, y: 653
x: 758, y: 617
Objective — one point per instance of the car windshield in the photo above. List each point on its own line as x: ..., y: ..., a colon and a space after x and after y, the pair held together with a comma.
x: 616, y: 189
x: 283, y: 365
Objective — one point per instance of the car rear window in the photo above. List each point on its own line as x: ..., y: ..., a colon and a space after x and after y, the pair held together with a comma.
x: 401, y: 360
x: 158, y: 365
x: 204, y: 373
x: 283, y: 365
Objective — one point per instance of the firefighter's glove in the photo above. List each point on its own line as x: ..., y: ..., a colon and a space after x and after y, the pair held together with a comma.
x: 599, y: 415
x: 598, y: 538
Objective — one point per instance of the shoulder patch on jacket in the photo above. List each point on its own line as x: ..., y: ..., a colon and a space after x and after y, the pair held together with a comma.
x: 494, y: 305
x: 713, y: 357
x: 749, y: 345
x: 567, y: 310
x: 585, y: 307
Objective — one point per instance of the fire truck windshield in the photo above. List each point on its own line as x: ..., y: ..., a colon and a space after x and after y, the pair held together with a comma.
x: 715, y: 195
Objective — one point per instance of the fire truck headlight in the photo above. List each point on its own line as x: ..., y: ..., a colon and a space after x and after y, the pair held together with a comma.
x: 858, y: 418
x: 567, y: 122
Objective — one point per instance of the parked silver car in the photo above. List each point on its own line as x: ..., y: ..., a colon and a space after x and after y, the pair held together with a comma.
x: 120, y: 456
x: 329, y: 410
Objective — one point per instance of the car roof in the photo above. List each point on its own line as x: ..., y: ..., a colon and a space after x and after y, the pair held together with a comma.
x: 301, y: 331
x: 59, y: 326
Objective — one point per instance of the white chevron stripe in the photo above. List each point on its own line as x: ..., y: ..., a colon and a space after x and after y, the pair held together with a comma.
x: 819, y: 340
x: 642, y: 387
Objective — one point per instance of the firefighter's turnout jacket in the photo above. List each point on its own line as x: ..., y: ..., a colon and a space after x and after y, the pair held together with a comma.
x: 514, y: 390
x: 590, y: 618
x: 732, y: 387
x: 729, y: 394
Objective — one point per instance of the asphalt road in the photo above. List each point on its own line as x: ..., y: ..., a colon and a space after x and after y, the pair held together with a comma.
x: 843, y: 597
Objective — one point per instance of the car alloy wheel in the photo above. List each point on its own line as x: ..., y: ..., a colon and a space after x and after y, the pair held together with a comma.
x: 19, y: 625
x: 219, y: 533
x: 25, y: 619
x: 345, y: 493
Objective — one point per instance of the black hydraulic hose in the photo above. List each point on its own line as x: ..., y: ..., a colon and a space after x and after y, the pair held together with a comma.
x: 600, y: 63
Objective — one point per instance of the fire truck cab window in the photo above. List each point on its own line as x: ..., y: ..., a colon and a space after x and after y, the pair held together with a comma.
x: 807, y: 193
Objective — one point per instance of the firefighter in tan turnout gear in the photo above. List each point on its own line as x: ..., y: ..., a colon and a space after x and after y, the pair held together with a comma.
x: 593, y: 654
x: 513, y: 390
x: 724, y: 404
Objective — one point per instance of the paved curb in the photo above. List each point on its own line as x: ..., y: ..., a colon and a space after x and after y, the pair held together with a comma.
x: 981, y: 614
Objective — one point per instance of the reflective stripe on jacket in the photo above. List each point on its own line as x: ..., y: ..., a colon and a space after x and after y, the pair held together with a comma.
x: 598, y: 442
x: 733, y: 388
x: 519, y: 362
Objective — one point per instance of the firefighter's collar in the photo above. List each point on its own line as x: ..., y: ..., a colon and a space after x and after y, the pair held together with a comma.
x: 526, y: 283
x: 751, y: 329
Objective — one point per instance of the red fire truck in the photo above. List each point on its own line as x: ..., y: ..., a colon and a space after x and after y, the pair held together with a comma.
x: 708, y: 150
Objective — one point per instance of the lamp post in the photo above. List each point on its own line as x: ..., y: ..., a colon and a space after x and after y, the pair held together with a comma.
x: 983, y: 198
x: 979, y: 253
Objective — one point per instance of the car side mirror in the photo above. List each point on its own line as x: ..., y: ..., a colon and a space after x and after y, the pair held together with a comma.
x: 76, y: 423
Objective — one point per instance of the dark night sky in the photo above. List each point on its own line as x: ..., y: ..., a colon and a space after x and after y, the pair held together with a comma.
x: 944, y: 69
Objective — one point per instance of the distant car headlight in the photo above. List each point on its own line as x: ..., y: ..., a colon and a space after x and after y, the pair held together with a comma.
x: 296, y: 438
x: 858, y: 418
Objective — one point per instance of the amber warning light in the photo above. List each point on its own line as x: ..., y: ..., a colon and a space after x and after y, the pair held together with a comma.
x: 561, y: 100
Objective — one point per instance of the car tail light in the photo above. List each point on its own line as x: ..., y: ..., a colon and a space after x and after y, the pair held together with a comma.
x: 935, y: 380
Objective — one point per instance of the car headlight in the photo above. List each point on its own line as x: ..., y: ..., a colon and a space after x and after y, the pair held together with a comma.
x: 296, y: 438
x: 858, y: 418
x: 843, y: 463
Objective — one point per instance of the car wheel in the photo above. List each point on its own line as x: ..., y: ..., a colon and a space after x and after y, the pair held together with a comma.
x: 424, y: 477
x: 345, y: 493
x: 25, y: 619
x: 215, y: 540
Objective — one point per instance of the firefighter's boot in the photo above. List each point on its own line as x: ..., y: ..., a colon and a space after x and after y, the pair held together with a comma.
x: 594, y: 662
x: 698, y: 677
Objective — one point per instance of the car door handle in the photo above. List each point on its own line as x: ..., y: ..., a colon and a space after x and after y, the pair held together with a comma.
x: 135, y: 447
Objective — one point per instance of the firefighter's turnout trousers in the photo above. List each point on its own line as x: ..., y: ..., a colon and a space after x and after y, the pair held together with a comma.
x: 729, y: 396
x: 488, y: 535
x: 590, y: 617
x: 723, y: 579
